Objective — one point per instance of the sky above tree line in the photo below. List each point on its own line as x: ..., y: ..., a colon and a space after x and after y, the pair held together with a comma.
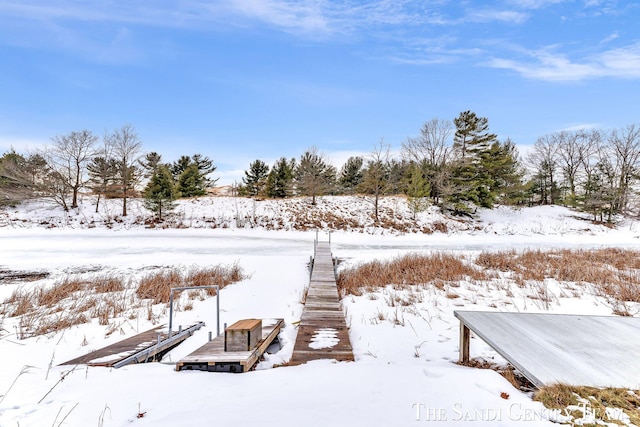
x: 238, y: 80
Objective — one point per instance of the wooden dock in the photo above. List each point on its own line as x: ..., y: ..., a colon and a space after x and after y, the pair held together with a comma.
x: 322, y: 332
x: 213, y: 358
x: 146, y: 346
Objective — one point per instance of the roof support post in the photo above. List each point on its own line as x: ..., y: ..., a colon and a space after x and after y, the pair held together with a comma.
x: 464, y: 343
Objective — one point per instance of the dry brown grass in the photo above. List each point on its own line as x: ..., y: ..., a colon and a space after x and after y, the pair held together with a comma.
x: 19, y: 303
x: 57, y: 323
x: 614, y: 272
x: 560, y: 396
x: 103, y: 284
x: 77, y: 299
x: 221, y: 275
x: 59, y: 291
x: 157, y: 286
x: 412, y: 269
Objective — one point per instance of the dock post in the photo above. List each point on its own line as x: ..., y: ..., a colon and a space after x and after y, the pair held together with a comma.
x: 184, y: 288
x: 464, y: 343
x: 315, y: 244
x: 218, y: 310
x: 170, y: 312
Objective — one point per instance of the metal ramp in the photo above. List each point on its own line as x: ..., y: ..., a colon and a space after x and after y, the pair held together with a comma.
x: 144, y: 347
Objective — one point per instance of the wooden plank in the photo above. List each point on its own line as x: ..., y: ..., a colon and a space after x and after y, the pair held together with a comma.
x: 581, y: 350
x: 244, y: 325
x: 322, y: 332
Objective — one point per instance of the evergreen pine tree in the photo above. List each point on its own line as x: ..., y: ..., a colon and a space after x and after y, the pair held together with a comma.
x: 102, y: 175
x: 351, y: 175
x: 376, y: 176
x: 150, y: 163
x: 160, y: 192
x: 398, y: 173
x: 179, y: 166
x: 191, y: 175
x: 313, y: 175
x: 191, y: 183
x: 255, y: 178
x: 205, y: 168
x: 280, y: 179
x: 472, y: 135
x: 418, y: 190
x: 505, y: 172
x: 469, y: 177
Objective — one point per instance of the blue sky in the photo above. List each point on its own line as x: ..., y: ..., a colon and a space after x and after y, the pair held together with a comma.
x: 238, y: 80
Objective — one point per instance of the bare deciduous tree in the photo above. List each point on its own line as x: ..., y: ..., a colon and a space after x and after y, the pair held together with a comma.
x: 590, y: 154
x: 68, y: 157
x: 126, y: 146
x: 570, y: 156
x: 432, y: 146
x: 625, y: 146
x: 432, y: 150
x: 544, y: 160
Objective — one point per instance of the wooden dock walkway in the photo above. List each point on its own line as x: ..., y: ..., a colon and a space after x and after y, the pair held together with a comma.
x: 145, y: 346
x: 213, y: 358
x: 322, y: 332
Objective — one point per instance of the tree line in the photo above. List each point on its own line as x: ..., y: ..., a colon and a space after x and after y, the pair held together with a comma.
x: 111, y: 167
x: 458, y: 165
x: 472, y: 169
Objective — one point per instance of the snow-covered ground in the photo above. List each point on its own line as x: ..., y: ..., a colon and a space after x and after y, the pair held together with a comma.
x: 404, y: 373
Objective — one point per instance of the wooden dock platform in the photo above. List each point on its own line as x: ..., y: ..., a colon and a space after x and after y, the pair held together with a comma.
x: 322, y: 333
x: 212, y: 357
x: 140, y: 348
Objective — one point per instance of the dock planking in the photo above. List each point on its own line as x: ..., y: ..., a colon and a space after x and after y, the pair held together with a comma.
x: 213, y: 357
x: 322, y: 331
x: 145, y: 343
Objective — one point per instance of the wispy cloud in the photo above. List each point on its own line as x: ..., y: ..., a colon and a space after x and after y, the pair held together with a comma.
x: 297, y: 16
x: 132, y: 11
x: 535, y: 4
x: 581, y: 126
x: 546, y: 64
x: 489, y: 15
x: 610, y: 38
